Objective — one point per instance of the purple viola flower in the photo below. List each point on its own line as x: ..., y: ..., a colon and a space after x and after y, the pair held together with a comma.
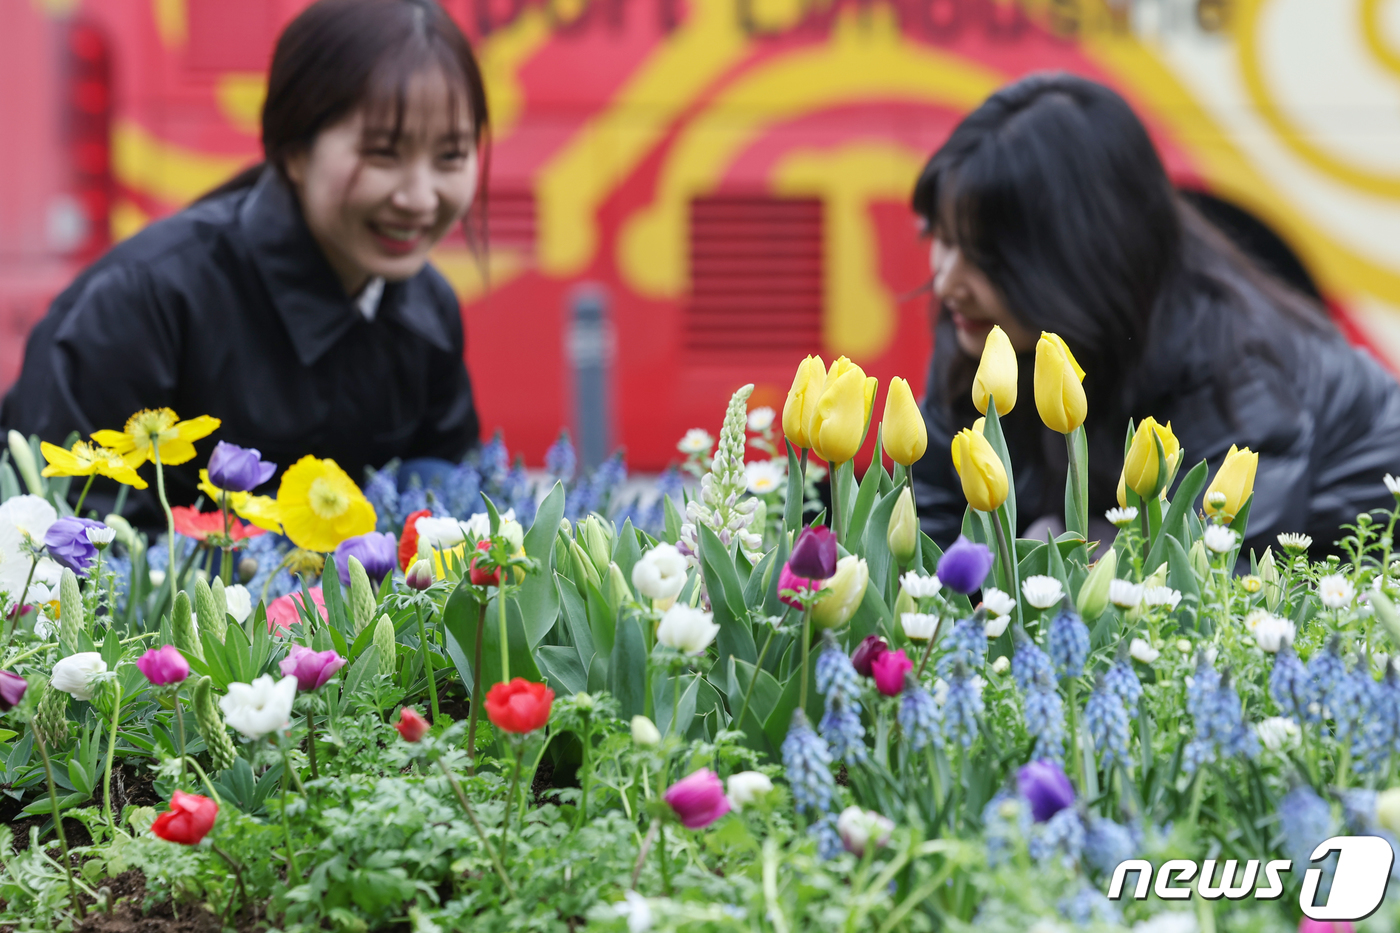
x: 68, y: 543
x: 164, y: 666
x: 1046, y: 789
x: 964, y: 566
x: 238, y: 469
x: 376, y: 551
x: 12, y: 687
x: 814, y: 554
x: 311, y: 668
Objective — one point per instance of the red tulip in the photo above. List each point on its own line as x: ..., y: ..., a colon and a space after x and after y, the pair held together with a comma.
x: 188, y: 820
x: 484, y: 577
x: 408, y: 541
x: 411, y: 725
x: 888, y: 670
x: 519, y: 706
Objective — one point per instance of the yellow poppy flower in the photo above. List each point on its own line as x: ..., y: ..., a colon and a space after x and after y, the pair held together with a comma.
x: 87, y: 459
x: 157, y: 431
x: 260, y: 510
x: 320, y: 506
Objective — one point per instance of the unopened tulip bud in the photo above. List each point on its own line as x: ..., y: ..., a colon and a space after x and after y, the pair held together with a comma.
x: 419, y: 576
x: 983, y: 475
x: 1093, y: 594
x: 844, y: 593
x: 802, y: 399
x: 619, y: 594
x: 996, y: 374
x: 838, y: 424
x: 597, y: 544
x: 1141, y: 469
x: 1200, y: 560
x: 903, y: 534
x: 1233, y: 484
x: 1059, y: 395
x: 903, y: 432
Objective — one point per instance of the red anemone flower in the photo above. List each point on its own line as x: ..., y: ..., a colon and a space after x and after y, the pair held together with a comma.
x: 519, y: 706
x: 408, y: 541
x: 188, y: 820
x: 200, y: 526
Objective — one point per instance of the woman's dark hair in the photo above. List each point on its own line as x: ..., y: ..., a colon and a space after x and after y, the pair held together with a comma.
x: 340, y: 55
x: 1053, y: 189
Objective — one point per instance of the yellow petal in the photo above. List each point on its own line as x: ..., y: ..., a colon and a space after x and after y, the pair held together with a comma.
x: 983, y: 475
x: 116, y: 440
x: 802, y: 398
x: 904, y: 434
x: 195, y: 428
x: 996, y: 373
x: 1059, y: 396
x: 116, y: 468
x: 176, y: 452
x: 63, y: 463
x: 839, y: 421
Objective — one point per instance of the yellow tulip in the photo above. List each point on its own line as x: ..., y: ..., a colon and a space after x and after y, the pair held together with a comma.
x: 905, y: 435
x: 843, y: 593
x: 838, y: 424
x: 1122, y: 490
x: 1140, y: 466
x: 801, y: 402
x: 996, y: 374
x: 980, y: 425
x: 1235, y: 480
x: 983, y: 476
x: 1059, y: 394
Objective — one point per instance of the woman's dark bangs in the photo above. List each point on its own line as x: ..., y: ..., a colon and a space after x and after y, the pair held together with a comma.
x: 385, y: 99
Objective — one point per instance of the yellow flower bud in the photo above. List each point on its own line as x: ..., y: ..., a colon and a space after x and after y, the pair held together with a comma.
x: 838, y: 424
x: 1059, y: 395
x: 1234, y: 481
x: 844, y: 593
x: 802, y: 398
x: 1388, y: 809
x: 1122, y: 491
x: 904, y: 434
x: 903, y: 533
x: 983, y: 475
x: 1093, y: 594
x: 1140, y: 468
x: 980, y: 425
x: 996, y: 374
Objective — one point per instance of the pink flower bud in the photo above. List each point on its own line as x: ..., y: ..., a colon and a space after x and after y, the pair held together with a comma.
x: 164, y: 665
x: 888, y: 670
x: 311, y: 668
x: 787, y: 580
x: 419, y: 576
x: 698, y: 799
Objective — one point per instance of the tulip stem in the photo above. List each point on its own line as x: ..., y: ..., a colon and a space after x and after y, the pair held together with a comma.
x: 1081, y: 508
x: 505, y: 635
x: 1008, y: 561
x: 237, y: 873
x: 471, y: 815
x: 427, y: 663
x: 180, y: 733
x: 476, y: 693
x: 758, y: 666
x: 293, y: 871
x: 111, y: 755
x: 78, y: 509
x: 58, y: 822
x: 806, y: 650
x: 838, y: 514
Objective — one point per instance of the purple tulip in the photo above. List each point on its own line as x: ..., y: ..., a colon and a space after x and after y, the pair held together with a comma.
x: 377, y: 553
x: 68, y: 543
x: 238, y: 469
x: 12, y: 687
x: 814, y: 554
x: 1046, y: 789
x: 964, y: 566
x: 870, y: 648
x: 164, y: 666
x: 698, y: 799
x: 311, y: 668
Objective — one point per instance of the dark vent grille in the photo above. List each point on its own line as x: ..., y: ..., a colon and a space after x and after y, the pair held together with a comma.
x: 756, y: 276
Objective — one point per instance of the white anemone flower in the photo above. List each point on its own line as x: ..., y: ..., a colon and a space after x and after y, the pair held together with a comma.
x: 261, y: 707
x: 77, y: 674
x: 24, y: 520
x: 1122, y: 517
x: 1153, y: 596
x: 686, y: 629
x: 1335, y: 591
x: 919, y: 586
x: 746, y: 787
x: 695, y: 442
x: 1141, y: 650
x: 764, y: 476
x: 995, y: 625
x: 998, y: 603
x: 1271, y: 633
x: 761, y: 419
x: 660, y: 574
x: 1220, y: 539
x: 1278, y: 732
x: 1041, y: 591
x: 238, y: 601
x: 1124, y: 594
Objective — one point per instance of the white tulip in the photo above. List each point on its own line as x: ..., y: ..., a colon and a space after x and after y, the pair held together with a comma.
x: 1278, y: 732
x: 1041, y: 591
x: 746, y: 787
x: 1124, y: 595
x: 919, y: 626
x: 1220, y: 539
x: 995, y: 626
x: 1335, y: 591
x: 238, y: 601
x: 439, y: 533
x: 1141, y: 650
x: 686, y: 629
x: 919, y: 586
x: 660, y: 574
x: 261, y: 707
x: 1272, y: 633
x: 76, y: 675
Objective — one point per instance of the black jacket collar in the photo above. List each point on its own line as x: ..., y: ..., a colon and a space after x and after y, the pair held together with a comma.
x: 304, y: 288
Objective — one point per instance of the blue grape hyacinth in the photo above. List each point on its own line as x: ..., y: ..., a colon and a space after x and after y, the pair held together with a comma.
x: 919, y: 716
x: 1107, y: 721
x: 807, y: 763
x: 1068, y: 642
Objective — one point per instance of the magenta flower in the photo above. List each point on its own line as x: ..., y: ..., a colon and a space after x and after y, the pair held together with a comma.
x: 698, y: 799
x: 238, y: 469
x: 12, y: 687
x: 964, y: 566
x: 164, y: 666
x: 787, y: 580
x: 1046, y: 788
x: 814, y: 554
x: 1308, y: 925
x: 870, y: 648
x: 311, y: 668
x: 888, y: 670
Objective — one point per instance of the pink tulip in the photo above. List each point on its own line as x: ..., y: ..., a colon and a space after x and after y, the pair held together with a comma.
x: 164, y: 665
x: 888, y: 670
x: 1308, y: 925
x: 311, y: 668
x: 787, y: 580
x: 282, y: 612
x: 698, y: 799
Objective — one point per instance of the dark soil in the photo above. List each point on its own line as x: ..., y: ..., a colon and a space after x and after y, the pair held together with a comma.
x: 127, y: 893
x: 129, y: 787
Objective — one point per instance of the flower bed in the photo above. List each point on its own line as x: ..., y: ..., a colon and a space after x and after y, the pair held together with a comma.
x: 465, y: 706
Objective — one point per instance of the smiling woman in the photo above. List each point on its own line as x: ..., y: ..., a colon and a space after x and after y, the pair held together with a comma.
x: 295, y: 303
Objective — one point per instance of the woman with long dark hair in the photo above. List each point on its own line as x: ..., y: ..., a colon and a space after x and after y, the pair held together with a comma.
x: 295, y: 303
x: 1049, y: 210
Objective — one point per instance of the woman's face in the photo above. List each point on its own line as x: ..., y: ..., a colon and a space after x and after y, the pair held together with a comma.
x: 377, y: 206
x: 974, y: 303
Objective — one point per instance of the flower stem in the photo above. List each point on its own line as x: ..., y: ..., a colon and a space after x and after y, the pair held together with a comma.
x: 665, y: 862
x: 180, y: 733
x: 838, y: 514
x: 19, y: 606
x: 311, y: 742
x: 642, y: 855
x: 505, y: 636
x: 806, y: 650
x: 586, y: 770
x: 58, y: 823
x: 927, y: 652
x: 427, y: 662
x: 476, y: 693
x: 169, y: 520
x: 471, y: 815
x: 510, y: 798
x: 293, y: 871
x: 237, y: 873
x: 78, y: 509
x: 111, y: 755
x: 1076, y: 762
x: 748, y: 694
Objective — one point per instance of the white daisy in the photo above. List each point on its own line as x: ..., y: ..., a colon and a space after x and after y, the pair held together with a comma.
x: 1161, y: 596
x: 1141, y: 650
x: 919, y: 586
x: 764, y: 476
x: 761, y: 419
x: 1122, y: 517
x: 1294, y: 543
x: 1041, y: 591
x: 1220, y: 539
x: 696, y: 441
x: 998, y: 603
x: 1124, y: 595
x: 1335, y: 591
